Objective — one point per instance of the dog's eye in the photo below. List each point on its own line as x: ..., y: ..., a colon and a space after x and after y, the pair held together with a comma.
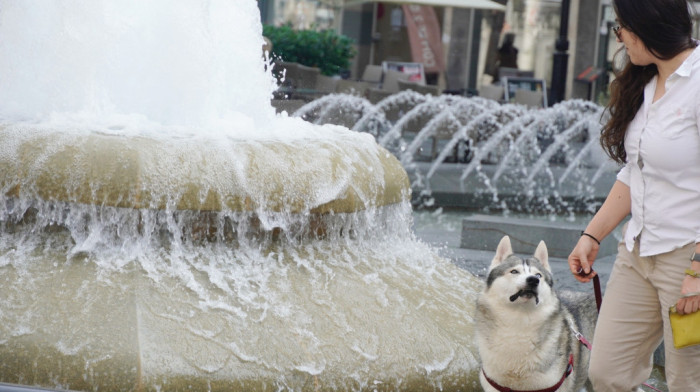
x: 514, y: 272
x: 539, y: 275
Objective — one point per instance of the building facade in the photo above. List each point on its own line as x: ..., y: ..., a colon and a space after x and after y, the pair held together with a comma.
x: 471, y: 38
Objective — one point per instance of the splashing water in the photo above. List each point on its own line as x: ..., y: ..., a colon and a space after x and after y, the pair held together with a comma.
x: 168, y: 62
x: 477, y: 153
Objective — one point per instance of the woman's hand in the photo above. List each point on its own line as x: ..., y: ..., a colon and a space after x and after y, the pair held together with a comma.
x: 582, y: 258
x: 689, y: 303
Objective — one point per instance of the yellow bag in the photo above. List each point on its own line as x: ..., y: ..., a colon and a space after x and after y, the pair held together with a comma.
x: 686, y: 328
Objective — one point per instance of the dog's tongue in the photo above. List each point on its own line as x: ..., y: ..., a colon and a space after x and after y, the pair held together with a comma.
x: 515, y: 296
x: 527, y: 293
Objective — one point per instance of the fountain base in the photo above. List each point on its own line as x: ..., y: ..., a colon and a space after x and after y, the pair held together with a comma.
x: 448, y: 190
x: 308, y: 276
x: 353, y: 321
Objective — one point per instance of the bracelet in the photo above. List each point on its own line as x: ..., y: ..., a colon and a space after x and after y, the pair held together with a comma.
x: 693, y: 273
x: 588, y: 235
x: 695, y: 257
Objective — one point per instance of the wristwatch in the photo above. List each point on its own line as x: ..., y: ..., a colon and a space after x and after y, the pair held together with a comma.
x: 695, y: 257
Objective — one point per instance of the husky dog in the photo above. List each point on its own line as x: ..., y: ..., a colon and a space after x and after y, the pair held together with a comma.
x: 527, y: 336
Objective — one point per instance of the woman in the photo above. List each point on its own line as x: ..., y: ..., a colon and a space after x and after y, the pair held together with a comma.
x: 654, y: 130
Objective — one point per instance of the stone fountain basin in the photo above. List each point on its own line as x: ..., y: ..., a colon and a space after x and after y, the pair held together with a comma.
x: 344, y: 172
x: 355, y: 326
x: 373, y: 311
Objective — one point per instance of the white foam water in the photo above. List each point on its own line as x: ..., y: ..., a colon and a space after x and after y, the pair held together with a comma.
x: 173, y: 63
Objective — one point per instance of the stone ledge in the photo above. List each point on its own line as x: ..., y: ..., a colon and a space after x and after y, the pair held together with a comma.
x: 483, y: 232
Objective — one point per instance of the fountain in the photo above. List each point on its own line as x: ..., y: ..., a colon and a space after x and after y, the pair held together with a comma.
x: 474, y: 152
x: 162, y: 229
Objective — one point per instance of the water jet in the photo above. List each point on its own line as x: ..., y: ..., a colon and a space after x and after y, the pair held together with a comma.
x: 476, y: 153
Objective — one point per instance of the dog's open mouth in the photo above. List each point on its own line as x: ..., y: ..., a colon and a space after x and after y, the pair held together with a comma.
x: 527, y: 293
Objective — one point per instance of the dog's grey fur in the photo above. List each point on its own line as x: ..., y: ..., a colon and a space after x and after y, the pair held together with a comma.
x: 525, y: 331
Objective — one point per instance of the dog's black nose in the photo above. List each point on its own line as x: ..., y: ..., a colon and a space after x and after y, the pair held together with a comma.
x: 532, y: 281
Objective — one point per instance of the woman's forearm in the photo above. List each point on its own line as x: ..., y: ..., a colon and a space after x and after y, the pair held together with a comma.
x: 615, y: 208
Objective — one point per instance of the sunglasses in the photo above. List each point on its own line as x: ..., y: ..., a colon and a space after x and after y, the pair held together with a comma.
x: 616, y: 30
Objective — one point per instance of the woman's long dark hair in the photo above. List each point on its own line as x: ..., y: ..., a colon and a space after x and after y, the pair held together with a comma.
x: 665, y: 28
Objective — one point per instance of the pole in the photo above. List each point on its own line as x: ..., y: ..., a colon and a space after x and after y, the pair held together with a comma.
x: 470, y: 39
x: 561, y: 57
x: 372, y: 45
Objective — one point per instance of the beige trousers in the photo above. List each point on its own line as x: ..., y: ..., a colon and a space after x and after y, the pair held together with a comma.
x: 633, y: 321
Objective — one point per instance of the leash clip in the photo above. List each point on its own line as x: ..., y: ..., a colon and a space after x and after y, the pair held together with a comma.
x: 582, y: 339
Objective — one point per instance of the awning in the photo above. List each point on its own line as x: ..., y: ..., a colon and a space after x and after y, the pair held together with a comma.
x: 478, y: 4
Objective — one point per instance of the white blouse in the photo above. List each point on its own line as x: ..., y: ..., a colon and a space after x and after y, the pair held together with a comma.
x: 663, y: 164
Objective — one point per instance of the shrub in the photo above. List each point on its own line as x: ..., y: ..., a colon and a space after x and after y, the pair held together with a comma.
x: 326, y: 49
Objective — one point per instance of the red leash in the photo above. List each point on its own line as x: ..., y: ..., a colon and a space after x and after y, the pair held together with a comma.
x: 596, y: 288
x: 598, y: 293
x: 553, y: 388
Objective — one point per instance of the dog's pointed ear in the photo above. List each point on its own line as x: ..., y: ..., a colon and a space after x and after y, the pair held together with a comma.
x: 542, y: 255
x: 503, y: 250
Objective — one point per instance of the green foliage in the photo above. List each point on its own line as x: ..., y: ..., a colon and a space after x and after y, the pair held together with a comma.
x: 326, y: 49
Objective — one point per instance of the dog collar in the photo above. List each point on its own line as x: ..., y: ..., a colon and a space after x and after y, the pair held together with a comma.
x: 500, y: 388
